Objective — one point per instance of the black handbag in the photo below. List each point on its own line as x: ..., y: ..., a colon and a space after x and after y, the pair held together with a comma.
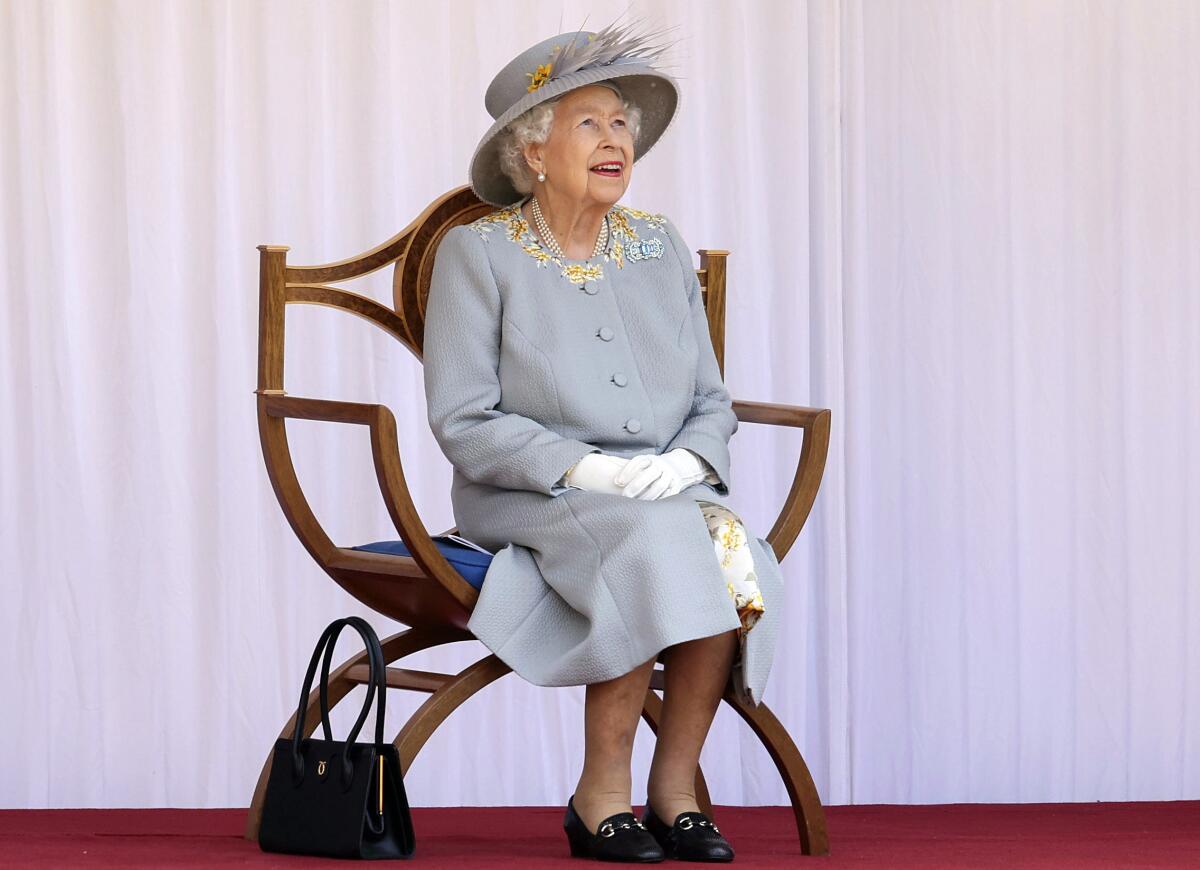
x: 340, y: 799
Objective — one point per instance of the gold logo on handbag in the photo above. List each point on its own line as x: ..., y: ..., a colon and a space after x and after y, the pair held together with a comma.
x: 321, y: 767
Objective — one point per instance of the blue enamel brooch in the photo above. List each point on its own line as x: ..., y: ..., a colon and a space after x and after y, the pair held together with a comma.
x: 644, y: 249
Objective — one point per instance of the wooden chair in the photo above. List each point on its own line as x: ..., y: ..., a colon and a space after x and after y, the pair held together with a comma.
x: 424, y: 591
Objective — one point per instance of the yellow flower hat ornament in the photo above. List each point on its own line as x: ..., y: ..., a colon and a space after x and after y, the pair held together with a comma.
x: 563, y: 63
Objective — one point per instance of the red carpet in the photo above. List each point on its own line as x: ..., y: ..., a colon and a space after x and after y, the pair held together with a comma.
x: 960, y: 835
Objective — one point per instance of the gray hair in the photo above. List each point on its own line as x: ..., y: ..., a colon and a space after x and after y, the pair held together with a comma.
x: 534, y: 126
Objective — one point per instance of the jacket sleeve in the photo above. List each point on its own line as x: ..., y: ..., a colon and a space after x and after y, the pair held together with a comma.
x: 711, y: 422
x: 462, y: 385
x: 710, y: 476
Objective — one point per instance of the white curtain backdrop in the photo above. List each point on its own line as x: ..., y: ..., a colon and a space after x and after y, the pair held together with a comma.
x: 971, y: 229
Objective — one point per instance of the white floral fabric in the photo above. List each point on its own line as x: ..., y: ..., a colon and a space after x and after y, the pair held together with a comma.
x: 737, y: 562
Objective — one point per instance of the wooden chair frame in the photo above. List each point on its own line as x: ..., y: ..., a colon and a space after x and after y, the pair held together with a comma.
x: 423, y: 591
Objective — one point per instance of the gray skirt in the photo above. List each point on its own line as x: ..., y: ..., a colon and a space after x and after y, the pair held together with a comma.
x: 584, y: 587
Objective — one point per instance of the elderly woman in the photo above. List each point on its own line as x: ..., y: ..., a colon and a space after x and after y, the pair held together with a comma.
x: 572, y: 383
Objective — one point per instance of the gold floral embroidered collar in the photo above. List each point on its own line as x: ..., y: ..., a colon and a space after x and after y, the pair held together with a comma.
x: 624, y: 242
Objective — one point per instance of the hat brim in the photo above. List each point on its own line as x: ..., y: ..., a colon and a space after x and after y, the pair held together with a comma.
x: 654, y: 92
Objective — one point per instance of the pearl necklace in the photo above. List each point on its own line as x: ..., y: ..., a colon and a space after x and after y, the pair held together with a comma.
x: 552, y: 243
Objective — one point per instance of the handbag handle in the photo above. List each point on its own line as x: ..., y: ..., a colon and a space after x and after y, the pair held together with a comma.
x: 376, y: 678
x: 375, y: 682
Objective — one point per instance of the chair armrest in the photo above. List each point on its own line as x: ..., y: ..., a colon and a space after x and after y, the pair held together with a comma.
x: 385, y: 450
x: 325, y: 410
x: 809, y: 470
x: 777, y: 415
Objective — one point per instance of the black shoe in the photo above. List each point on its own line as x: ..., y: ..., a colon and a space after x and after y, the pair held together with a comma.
x: 620, y: 837
x: 693, y: 837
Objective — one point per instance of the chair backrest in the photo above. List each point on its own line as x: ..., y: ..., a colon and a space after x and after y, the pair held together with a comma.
x: 411, y: 252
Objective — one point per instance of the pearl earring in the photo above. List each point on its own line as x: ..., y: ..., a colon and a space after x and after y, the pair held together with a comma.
x: 541, y: 176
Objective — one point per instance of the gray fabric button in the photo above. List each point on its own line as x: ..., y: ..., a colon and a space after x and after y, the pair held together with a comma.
x: 619, y: 379
x: 605, y: 333
x: 633, y: 424
x: 591, y: 289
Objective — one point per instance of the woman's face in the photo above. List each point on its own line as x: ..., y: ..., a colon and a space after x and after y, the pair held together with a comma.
x: 589, y: 130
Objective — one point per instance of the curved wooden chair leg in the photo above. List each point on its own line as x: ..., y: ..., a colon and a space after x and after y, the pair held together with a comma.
x: 452, y: 694
x: 806, y: 802
x: 652, y: 713
x: 397, y: 646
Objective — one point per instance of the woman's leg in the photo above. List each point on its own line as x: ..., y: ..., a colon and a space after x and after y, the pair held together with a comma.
x: 610, y: 719
x: 696, y: 674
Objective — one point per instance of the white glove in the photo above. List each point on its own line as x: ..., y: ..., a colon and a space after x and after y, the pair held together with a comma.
x: 595, y: 473
x: 650, y: 476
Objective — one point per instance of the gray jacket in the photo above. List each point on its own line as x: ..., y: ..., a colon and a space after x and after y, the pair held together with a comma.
x: 530, y: 363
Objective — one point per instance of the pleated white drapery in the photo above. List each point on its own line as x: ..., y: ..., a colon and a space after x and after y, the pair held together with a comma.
x: 970, y: 229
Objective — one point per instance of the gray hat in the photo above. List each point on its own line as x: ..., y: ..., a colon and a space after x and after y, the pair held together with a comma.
x: 563, y: 63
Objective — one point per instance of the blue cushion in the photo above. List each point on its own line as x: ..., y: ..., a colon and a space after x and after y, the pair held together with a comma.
x: 470, y: 563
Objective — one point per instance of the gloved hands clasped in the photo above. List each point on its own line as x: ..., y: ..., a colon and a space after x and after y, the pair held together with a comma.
x: 595, y: 473
x: 647, y: 476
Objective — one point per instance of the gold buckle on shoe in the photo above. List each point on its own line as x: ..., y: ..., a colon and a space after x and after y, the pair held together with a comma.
x: 687, y: 824
x: 612, y: 829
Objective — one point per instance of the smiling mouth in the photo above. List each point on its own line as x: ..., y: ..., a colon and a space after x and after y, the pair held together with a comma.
x: 609, y: 170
